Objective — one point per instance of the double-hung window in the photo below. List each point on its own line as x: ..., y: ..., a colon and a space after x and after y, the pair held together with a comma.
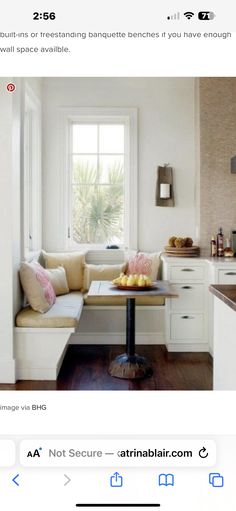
x: 101, y: 177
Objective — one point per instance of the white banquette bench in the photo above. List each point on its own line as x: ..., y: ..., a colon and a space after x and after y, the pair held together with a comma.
x: 40, y: 340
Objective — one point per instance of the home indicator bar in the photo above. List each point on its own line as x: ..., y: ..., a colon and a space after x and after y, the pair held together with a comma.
x: 118, y: 505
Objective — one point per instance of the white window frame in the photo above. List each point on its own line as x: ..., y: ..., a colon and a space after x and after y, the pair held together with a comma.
x: 32, y: 174
x: 125, y: 116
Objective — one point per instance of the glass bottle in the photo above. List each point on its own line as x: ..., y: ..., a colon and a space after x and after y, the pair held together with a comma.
x: 228, y: 251
x: 220, y: 243
x: 213, y: 247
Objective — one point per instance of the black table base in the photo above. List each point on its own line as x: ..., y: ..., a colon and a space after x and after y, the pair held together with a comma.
x: 129, y: 365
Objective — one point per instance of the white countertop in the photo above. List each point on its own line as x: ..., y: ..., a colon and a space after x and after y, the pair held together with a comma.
x: 216, y: 261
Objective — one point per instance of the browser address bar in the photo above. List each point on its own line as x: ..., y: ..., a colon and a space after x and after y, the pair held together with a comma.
x: 118, y: 453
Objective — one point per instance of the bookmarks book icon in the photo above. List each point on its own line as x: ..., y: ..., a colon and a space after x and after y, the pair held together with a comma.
x: 166, y: 480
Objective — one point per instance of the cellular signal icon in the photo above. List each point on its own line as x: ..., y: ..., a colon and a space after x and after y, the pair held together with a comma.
x: 175, y: 16
x: 189, y: 15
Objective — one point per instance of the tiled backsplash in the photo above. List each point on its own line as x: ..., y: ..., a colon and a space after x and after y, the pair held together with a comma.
x: 217, y: 146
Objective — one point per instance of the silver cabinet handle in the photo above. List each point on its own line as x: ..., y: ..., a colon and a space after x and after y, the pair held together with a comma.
x: 187, y: 269
x: 230, y: 273
x: 187, y: 317
x: 186, y: 287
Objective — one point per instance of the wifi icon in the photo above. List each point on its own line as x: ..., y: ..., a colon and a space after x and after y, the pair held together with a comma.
x: 189, y: 14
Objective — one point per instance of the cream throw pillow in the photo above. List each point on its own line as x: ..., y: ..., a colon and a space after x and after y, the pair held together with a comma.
x: 101, y: 272
x: 37, y: 286
x: 73, y: 263
x: 57, y: 277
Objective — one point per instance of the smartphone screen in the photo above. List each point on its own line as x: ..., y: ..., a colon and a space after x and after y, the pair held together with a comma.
x: 118, y: 267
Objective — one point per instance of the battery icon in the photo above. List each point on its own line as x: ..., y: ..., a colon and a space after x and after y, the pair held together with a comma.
x: 206, y: 15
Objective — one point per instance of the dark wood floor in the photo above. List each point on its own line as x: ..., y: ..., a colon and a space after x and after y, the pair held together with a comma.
x: 85, y: 368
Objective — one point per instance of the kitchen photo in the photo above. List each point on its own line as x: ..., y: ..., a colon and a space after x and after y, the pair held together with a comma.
x: 118, y: 228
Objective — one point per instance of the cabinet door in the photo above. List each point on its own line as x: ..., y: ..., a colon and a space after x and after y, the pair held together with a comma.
x: 190, y: 297
x: 227, y: 276
x: 187, y: 328
x: 186, y: 273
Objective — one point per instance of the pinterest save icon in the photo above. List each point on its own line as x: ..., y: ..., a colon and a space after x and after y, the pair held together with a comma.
x: 11, y: 87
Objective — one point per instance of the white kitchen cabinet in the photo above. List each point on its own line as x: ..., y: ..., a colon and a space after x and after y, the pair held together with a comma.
x: 220, y: 271
x: 189, y: 318
x: 186, y: 317
x: 191, y: 296
x: 226, y: 276
x: 187, y: 327
x: 185, y: 273
x: 224, y: 374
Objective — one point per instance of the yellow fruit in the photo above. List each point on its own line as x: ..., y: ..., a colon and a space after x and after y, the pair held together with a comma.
x: 124, y: 280
x: 141, y: 281
x: 131, y: 280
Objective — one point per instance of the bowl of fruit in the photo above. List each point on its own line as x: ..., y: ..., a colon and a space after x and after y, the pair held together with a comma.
x: 137, y: 282
x: 181, y: 247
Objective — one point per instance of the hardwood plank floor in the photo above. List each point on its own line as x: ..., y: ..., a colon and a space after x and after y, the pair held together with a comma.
x: 85, y: 368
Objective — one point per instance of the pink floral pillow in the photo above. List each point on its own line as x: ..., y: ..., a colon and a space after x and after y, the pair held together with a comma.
x: 37, y: 286
x: 140, y: 264
x: 43, y: 278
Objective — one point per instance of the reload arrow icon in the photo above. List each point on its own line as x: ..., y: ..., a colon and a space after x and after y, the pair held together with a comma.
x: 203, y: 453
x: 67, y: 480
x: 14, y: 480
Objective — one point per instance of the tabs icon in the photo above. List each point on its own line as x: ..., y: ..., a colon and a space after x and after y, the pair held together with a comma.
x: 216, y: 480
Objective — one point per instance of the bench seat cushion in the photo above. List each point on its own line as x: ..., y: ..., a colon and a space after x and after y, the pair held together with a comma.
x: 65, y: 313
x: 121, y: 300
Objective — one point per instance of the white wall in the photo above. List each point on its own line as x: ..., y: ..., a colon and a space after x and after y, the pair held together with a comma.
x: 166, y: 109
x: 17, y: 126
x: 11, y: 179
x: 7, y: 367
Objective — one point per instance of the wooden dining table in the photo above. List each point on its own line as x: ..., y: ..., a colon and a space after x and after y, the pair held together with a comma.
x: 130, y: 365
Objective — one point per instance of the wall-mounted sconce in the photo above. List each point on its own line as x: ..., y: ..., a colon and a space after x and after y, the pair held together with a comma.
x: 164, y: 187
x: 233, y: 165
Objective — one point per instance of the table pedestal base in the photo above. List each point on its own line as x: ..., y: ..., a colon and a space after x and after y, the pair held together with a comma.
x: 130, y: 367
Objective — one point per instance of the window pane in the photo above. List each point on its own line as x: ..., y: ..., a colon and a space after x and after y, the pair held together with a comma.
x: 111, y: 169
x: 98, y: 183
x: 98, y: 213
x: 111, y: 138
x: 84, y: 169
x: 81, y: 210
x: 85, y: 138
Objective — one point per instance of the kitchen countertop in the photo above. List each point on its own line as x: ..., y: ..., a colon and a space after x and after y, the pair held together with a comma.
x: 226, y: 293
x: 217, y: 261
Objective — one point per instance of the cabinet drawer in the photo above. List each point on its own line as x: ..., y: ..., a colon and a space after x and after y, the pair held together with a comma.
x: 187, y: 327
x: 184, y: 273
x: 190, y: 297
x: 227, y: 276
